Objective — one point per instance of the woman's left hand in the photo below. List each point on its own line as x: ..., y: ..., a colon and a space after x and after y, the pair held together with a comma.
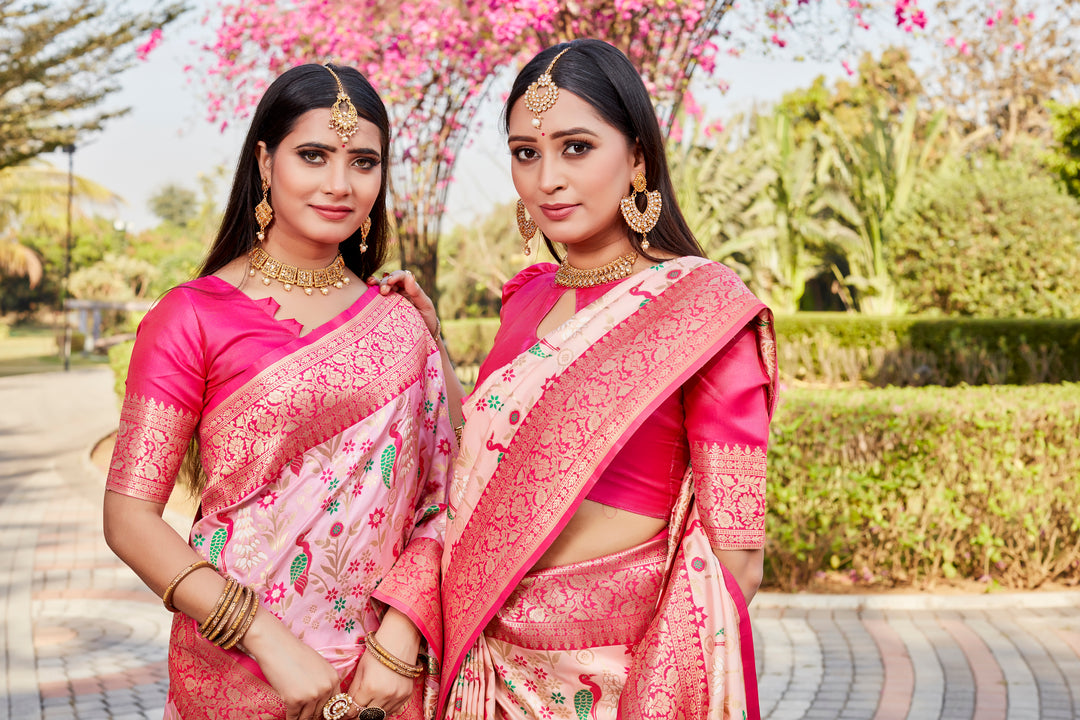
x: 376, y: 685
x: 404, y: 283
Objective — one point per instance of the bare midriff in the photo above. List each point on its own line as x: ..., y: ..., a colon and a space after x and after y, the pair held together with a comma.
x: 596, y: 530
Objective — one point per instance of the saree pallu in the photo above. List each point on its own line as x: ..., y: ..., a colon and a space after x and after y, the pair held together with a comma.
x: 326, y: 461
x: 538, y: 433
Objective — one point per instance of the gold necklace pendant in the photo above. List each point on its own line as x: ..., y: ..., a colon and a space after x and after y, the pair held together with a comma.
x: 290, y: 276
x: 569, y: 276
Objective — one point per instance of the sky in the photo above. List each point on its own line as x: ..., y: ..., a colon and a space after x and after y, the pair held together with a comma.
x: 165, y: 139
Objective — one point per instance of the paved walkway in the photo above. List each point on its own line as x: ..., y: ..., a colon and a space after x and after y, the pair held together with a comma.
x: 82, y: 637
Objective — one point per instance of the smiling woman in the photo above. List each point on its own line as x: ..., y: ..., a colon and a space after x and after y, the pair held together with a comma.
x: 312, y: 414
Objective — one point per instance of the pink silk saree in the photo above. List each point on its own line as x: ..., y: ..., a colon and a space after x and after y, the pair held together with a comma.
x: 656, y: 631
x: 326, y: 456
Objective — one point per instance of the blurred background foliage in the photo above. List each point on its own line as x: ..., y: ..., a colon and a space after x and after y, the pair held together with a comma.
x: 916, y: 228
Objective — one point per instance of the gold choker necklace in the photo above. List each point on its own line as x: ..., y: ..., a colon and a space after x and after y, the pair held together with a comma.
x: 569, y: 276
x: 333, y: 275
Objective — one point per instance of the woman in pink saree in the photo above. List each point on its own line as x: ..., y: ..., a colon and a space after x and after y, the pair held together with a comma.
x: 606, y: 513
x: 308, y: 586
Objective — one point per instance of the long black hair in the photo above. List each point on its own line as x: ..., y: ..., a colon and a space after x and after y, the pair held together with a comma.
x: 295, y: 92
x: 601, y: 75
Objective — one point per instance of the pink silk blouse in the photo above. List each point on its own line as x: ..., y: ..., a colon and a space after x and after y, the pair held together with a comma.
x: 724, y: 403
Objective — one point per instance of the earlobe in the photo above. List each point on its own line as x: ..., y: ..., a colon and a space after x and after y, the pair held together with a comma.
x: 264, y: 159
x: 639, y: 160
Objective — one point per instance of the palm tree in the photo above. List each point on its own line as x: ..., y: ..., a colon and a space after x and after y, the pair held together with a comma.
x: 877, y: 175
x: 34, y: 196
x: 796, y: 216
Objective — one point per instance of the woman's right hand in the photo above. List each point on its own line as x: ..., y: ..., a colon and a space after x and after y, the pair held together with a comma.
x: 403, y: 282
x: 301, y: 676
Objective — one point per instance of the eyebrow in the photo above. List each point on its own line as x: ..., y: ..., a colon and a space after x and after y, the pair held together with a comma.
x: 332, y: 148
x: 554, y: 136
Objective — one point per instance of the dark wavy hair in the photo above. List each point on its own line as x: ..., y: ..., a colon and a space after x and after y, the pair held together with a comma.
x: 601, y: 75
x: 303, y: 88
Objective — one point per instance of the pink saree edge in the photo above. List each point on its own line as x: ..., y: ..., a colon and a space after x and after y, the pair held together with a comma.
x: 753, y: 308
x: 260, y: 365
x: 431, y: 551
x: 746, y: 646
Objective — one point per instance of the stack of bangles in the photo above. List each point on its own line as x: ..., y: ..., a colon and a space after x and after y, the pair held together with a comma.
x: 394, y: 663
x: 232, y: 615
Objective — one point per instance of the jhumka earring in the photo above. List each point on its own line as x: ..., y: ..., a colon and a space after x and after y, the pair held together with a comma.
x: 365, y: 228
x: 343, y: 116
x: 264, y: 214
x: 641, y: 222
x: 526, y: 227
x: 542, y: 94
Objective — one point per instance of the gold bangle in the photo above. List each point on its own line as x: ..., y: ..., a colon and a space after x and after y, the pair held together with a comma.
x: 438, y: 329
x: 217, y: 608
x: 219, y: 627
x: 167, y: 596
x: 392, y: 661
x: 246, y: 595
x: 227, y: 595
x: 457, y: 433
x: 247, y: 624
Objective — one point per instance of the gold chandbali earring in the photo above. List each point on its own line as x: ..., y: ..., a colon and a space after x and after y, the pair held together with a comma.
x: 641, y: 222
x: 343, y: 116
x: 526, y: 227
x: 365, y: 228
x: 263, y: 212
x: 333, y: 275
x: 542, y: 94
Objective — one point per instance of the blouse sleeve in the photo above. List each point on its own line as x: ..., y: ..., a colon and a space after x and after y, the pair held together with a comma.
x: 163, y: 401
x: 727, y: 421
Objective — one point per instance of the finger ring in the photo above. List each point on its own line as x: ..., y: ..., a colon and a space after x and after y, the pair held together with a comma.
x: 372, y: 712
x: 337, y: 706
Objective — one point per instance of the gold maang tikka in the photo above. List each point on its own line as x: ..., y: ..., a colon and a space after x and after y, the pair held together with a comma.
x: 343, y: 116
x: 543, y: 93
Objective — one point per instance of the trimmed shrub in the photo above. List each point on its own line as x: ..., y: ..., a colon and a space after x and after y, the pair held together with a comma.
x: 991, y: 237
x: 911, y: 486
x: 833, y: 348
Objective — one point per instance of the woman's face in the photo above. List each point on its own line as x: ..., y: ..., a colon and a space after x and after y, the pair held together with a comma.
x: 572, y: 173
x: 320, y: 191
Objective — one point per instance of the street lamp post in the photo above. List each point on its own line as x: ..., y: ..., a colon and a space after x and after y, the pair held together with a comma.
x: 70, y: 150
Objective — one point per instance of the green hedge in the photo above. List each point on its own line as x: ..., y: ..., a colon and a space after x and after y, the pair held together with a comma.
x: 904, y: 486
x: 838, y: 348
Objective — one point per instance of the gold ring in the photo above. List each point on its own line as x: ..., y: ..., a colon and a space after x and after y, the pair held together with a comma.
x: 337, y: 706
x: 372, y: 712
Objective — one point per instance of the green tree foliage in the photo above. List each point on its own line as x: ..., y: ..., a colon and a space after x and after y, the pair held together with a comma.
x: 1064, y: 158
x: 174, y: 204
x: 33, y: 201
x: 476, y: 260
x: 877, y: 176
x: 58, y: 62
x: 888, y: 82
x: 991, y: 237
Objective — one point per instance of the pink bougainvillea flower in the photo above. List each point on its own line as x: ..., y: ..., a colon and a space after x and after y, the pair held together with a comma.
x: 144, y: 50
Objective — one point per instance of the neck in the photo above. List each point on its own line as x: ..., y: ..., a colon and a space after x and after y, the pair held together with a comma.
x: 303, y: 255
x: 589, y: 258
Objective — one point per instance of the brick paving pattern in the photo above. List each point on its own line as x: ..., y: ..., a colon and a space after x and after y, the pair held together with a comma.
x: 84, y: 639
